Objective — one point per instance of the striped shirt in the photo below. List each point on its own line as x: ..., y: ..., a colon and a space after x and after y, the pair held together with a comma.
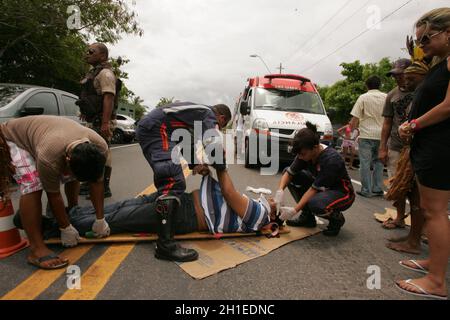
x: 221, y: 218
x: 369, y: 109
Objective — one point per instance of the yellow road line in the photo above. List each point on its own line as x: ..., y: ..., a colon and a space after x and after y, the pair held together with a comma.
x: 152, y: 188
x: 98, y: 274
x: 40, y: 280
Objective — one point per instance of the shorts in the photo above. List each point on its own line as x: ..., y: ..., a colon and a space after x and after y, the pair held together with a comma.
x: 26, y: 175
x: 434, y: 179
x: 393, y: 157
x: 348, y: 144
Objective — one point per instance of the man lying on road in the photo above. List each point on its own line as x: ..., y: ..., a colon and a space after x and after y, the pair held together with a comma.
x: 216, y: 207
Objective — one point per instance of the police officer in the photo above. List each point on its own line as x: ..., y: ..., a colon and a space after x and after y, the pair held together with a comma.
x: 98, y: 102
x: 154, y: 133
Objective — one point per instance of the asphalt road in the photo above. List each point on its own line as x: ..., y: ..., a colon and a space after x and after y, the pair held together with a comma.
x: 314, y: 268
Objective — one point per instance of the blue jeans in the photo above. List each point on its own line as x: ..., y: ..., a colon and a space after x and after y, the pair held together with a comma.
x: 368, y: 155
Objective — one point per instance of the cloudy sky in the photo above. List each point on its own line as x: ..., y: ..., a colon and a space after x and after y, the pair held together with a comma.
x: 199, y: 50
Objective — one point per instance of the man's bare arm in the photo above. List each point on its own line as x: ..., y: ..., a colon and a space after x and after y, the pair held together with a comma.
x: 385, y: 133
x: 56, y: 203
x: 234, y: 199
x: 108, y: 106
x: 354, y: 123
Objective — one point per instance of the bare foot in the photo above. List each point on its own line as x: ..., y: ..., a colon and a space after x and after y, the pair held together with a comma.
x: 404, y: 247
x: 398, y: 239
x: 431, y: 287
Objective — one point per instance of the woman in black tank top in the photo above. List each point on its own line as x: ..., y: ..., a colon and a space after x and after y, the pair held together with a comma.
x: 429, y: 127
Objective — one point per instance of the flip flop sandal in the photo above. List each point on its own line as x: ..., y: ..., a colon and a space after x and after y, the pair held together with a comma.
x: 422, y: 293
x: 418, y: 269
x: 390, y: 224
x: 38, y: 262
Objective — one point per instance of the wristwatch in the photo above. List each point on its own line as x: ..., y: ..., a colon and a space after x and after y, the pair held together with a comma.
x: 414, y: 125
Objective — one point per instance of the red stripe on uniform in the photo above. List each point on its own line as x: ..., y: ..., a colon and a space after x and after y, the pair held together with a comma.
x: 164, y: 137
x: 341, y: 199
x: 178, y: 124
x: 169, y: 186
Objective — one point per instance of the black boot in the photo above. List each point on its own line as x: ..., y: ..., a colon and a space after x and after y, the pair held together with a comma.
x: 107, y: 176
x: 306, y: 219
x: 84, y: 189
x: 166, y: 247
x: 337, y: 220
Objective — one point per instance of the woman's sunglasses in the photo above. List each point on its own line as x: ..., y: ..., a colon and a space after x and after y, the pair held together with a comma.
x: 91, y: 51
x: 426, y: 38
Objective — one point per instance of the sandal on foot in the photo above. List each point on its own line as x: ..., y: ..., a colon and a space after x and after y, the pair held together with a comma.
x: 391, y: 224
x: 37, y: 262
x: 422, y: 293
x: 418, y: 267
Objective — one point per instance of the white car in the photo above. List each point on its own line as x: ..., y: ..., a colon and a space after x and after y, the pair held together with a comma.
x: 125, y: 130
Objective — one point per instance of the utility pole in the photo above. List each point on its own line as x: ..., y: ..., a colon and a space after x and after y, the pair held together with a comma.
x: 281, y: 68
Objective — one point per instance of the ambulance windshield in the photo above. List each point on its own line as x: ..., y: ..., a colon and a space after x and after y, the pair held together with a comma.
x: 292, y: 100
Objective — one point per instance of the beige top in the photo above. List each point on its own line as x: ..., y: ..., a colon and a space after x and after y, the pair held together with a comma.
x: 105, y: 82
x: 47, y: 139
x: 369, y: 109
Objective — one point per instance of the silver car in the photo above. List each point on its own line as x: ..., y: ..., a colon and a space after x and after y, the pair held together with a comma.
x: 125, y: 129
x: 19, y: 100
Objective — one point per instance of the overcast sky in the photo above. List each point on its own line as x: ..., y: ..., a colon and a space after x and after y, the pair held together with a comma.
x: 198, y: 50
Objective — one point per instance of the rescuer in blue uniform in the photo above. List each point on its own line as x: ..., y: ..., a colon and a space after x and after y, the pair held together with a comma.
x: 154, y: 133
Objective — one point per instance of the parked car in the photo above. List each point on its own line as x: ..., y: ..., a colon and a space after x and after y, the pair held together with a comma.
x: 125, y: 131
x: 19, y: 100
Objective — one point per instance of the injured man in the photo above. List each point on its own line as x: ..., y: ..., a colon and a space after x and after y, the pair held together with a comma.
x: 217, y: 207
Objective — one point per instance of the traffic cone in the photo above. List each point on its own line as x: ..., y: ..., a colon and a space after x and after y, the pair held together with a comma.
x: 10, y: 239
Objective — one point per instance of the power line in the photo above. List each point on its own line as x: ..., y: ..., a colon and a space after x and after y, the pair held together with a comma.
x: 320, y: 29
x: 335, y: 29
x: 359, y: 35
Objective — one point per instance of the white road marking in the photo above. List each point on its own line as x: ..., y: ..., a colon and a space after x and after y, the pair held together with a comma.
x: 127, y: 146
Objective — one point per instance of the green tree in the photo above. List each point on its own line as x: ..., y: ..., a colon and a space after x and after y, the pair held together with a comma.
x: 38, y: 47
x: 163, y: 101
x: 342, y: 95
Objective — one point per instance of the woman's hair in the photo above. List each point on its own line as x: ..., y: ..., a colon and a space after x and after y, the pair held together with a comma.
x: 6, y: 168
x: 306, y: 138
x: 222, y: 109
x: 437, y: 19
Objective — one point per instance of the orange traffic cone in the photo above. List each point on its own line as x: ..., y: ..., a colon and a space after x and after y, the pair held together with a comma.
x: 10, y: 239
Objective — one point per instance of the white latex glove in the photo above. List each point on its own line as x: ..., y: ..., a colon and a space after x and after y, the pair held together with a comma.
x: 287, y: 213
x: 279, y: 195
x: 69, y: 236
x: 101, y: 228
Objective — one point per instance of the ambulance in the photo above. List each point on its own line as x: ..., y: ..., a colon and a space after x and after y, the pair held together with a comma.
x: 277, y: 105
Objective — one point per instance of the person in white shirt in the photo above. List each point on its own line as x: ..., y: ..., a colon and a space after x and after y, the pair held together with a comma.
x: 367, y: 115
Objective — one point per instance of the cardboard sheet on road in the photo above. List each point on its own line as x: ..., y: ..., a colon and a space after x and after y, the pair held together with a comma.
x: 219, y: 255
x: 390, y: 213
x: 146, y: 237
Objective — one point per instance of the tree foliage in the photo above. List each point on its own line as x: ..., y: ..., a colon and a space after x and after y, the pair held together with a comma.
x: 38, y: 47
x: 163, y: 101
x: 342, y: 95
